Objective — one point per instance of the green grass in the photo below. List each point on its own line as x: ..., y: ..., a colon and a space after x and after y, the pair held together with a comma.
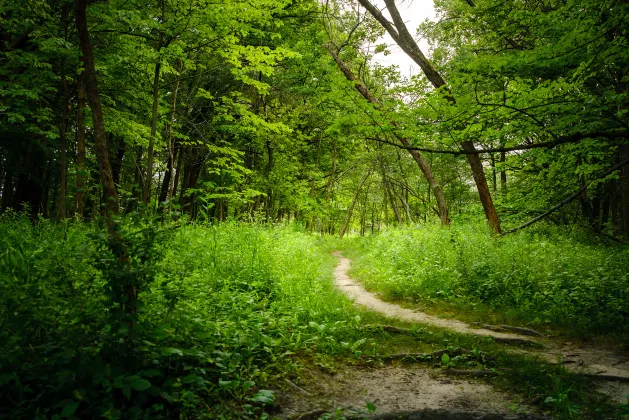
x: 541, y: 277
x: 225, y: 312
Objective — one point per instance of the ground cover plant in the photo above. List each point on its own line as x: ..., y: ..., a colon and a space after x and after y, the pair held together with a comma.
x: 221, y: 310
x: 543, y: 276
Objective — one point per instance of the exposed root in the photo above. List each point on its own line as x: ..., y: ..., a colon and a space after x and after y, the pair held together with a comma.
x: 297, y: 387
x: 473, y: 373
x: 522, y: 330
x: 310, y: 415
x: 518, y: 341
x: 440, y: 414
x: 387, y: 328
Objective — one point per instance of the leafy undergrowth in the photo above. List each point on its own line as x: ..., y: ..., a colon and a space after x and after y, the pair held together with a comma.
x: 544, y: 276
x: 221, y: 311
x: 224, y: 312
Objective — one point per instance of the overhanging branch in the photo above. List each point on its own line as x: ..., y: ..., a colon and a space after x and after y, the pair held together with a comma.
x: 572, y: 138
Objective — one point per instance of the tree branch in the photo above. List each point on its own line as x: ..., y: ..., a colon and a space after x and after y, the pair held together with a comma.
x: 572, y: 138
x: 569, y: 199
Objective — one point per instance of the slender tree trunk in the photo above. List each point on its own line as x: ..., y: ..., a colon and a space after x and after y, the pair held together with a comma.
x: 63, y: 164
x: 93, y: 97
x: 79, y: 196
x: 148, y: 181
x: 172, y: 149
x: 394, y: 207
x: 494, y: 177
x: 175, y: 183
x: 483, y: 189
x: 348, y: 217
x: 624, y: 191
x: 7, y: 191
x: 100, y: 135
x: 503, y: 174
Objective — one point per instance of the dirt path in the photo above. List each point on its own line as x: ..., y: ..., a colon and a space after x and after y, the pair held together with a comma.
x: 605, y: 364
x: 393, y: 389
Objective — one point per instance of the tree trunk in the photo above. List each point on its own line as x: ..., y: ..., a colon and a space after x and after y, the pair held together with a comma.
x: 348, y: 217
x: 503, y: 174
x: 100, y: 135
x: 93, y: 97
x: 172, y: 148
x: 394, y: 207
x: 63, y: 164
x: 624, y: 191
x: 79, y: 196
x: 148, y: 181
x: 175, y: 183
x: 483, y: 189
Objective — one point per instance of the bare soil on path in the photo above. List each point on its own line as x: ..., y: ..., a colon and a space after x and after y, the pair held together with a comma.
x: 424, y: 393
x: 604, y: 363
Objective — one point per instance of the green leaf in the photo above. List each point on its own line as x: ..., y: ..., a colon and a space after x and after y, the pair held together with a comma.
x: 69, y: 409
x: 169, y: 351
x: 371, y: 407
x: 264, y: 396
x: 140, y: 384
x: 126, y: 391
x: 445, y: 359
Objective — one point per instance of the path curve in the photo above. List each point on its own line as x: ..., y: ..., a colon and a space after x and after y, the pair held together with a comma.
x: 602, y: 363
x: 365, y: 298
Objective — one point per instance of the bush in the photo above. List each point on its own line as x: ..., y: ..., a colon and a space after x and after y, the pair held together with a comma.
x: 221, y: 309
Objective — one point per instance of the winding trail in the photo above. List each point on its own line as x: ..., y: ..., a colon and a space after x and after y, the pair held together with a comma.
x: 597, y: 362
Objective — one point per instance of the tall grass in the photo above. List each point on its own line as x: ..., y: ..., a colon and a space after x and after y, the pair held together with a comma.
x: 222, y: 310
x: 544, y: 275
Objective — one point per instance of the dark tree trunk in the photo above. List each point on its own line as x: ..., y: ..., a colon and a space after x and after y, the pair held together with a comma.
x: 63, y: 164
x: 129, y: 291
x: 81, y: 159
x: 93, y: 97
x: 169, y: 179
x: 116, y: 164
x: 483, y: 189
x: 148, y: 182
x: 624, y: 191
x: 503, y: 174
x: 177, y: 172
x: 7, y: 191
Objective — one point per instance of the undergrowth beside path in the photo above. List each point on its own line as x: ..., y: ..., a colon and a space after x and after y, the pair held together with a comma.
x: 225, y: 314
x: 543, y: 277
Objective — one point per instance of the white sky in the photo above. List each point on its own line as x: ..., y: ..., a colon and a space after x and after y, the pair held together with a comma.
x: 414, y: 12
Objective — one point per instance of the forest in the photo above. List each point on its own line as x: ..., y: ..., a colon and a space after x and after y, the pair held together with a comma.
x: 223, y: 209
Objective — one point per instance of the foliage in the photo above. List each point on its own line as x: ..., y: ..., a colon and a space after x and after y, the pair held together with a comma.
x: 228, y: 307
x: 544, y: 276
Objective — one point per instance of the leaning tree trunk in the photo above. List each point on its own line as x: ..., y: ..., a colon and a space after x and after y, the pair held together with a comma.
x: 416, y: 154
x: 98, y: 120
x: 100, y: 145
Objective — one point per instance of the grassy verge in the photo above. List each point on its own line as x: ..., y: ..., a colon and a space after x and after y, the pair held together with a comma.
x: 224, y: 313
x: 545, y: 277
